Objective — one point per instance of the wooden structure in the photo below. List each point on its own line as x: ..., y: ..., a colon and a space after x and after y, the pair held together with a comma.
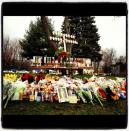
x: 62, y: 69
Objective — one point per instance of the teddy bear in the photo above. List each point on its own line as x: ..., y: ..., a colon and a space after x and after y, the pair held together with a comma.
x: 116, y: 97
x: 111, y: 94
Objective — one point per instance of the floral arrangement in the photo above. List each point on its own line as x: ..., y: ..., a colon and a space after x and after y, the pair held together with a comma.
x: 12, y: 77
x: 39, y: 77
x: 10, y: 93
x: 94, y: 91
x: 80, y: 93
x: 28, y: 77
x: 62, y: 54
x: 87, y: 93
x: 6, y: 86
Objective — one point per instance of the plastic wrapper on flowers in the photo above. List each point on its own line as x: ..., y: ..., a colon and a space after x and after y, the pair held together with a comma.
x: 88, y: 94
x: 80, y: 93
x: 43, y: 82
x: 62, y: 82
x: 20, y: 86
x: 94, y: 90
x: 11, y: 91
x: 6, y: 86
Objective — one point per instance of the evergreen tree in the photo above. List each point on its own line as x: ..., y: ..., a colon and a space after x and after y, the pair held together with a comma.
x: 35, y: 42
x: 85, y: 32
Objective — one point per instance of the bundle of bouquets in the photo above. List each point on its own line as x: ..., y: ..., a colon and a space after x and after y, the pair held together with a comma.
x: 94, y: 91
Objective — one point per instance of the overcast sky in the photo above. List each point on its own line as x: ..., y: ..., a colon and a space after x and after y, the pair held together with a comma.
x: 112, y: 32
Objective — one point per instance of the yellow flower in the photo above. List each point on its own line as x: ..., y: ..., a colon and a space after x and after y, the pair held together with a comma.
x: 6, y: 76
x: 11, y: 77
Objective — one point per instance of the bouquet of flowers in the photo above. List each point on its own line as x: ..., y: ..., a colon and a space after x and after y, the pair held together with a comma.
x: 80, y: 93
x: 6, y: 86
x: 10, y: 93
x: 39, y: 77
x: 12, y: 77
x: 94, y: 90
x: 87, y: 93
x: 28, y: 77
x: 62, y: 54
x: 20, y: 86
x: 43, y: 82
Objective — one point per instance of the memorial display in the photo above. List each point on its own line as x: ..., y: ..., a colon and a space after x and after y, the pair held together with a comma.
x: 64, y: 89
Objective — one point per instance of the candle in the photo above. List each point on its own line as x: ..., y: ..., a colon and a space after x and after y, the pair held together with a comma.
x: 44, y: 59
x: 21, y: 95
x: 36, y: 95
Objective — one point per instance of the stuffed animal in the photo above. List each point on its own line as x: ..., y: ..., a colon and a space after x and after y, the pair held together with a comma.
x: 55, y: 97
x: 101, y: 90
x: 109, y: 93
x: 116, y: 97
x: 122, y: 95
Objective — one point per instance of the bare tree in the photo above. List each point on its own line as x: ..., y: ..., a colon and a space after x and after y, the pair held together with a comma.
x: 11, y: 56
x: 109, y: 58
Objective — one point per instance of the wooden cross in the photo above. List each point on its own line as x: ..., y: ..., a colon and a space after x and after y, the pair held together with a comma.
x: 63, y: 39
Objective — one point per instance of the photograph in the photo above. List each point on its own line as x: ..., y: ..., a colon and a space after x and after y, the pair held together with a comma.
x: 62, y: 94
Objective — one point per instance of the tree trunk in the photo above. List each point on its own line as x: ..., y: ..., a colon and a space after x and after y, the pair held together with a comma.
x: 44, y: 22
x: 68, y: 45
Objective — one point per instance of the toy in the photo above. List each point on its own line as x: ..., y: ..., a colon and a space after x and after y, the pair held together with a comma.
x: 115, y: 96
x: 55, y: 97
x: 101, y: 90
x: 109, y: 93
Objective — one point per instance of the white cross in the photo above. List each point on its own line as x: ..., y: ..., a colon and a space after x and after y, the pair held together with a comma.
x: 64, y: 40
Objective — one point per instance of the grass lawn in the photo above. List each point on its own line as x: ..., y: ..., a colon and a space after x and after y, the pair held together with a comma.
x: 25, y: 107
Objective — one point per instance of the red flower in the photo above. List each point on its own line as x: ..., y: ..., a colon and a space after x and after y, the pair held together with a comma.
x: 101, y: 90
x: 39, y: 77
x: 27, y: 76
x: 63, y: 53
